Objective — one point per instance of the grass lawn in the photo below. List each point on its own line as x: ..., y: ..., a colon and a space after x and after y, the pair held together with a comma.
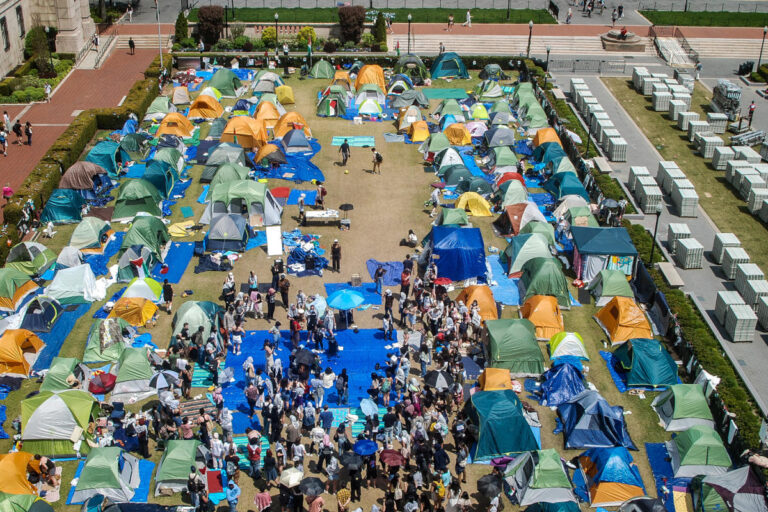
x: 385, y: 207
x: 707, y: 18
x: 436, y: 15
x: 721, y: 201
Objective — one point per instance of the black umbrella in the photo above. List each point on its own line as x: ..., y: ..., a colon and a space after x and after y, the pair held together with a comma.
x: 312, y: 486
x: 351, y: 460
x: 346, y: 207
x: 489, y: 485
x: 440, y: 380
x: 304, y: 357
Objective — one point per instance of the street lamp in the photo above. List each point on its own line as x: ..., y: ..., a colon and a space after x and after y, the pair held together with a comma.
x: 509, y: 6
x: 760, y: 58
x: 530, y: 34
x: 409, y: 33
x: 276, y: 38
x: 655, y: 231
x: 589, y: 137
x: 48, y: 43
x: 546, y: 70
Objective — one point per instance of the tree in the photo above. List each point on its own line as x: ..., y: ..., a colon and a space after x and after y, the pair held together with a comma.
x: 36, y: 48
x: 380, y: 28
x: 210, y: 23
x: 182, y: 28
x: 304, y: 35
x: 268, y: 37
x: 351, y: 20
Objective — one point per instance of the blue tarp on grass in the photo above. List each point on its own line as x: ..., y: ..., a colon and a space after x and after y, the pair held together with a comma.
x: 55, y: 338
x: 309, y: 199
x: 393, y: 268
x: 177, y: 259
x: 506, y: 290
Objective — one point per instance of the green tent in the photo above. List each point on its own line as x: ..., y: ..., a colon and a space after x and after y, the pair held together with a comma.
x: 536, y: 226
x: 503, y: 155
x: 539, y: 476
x: 197, y: 314
x: 91, y: 233
x: 30, y: 258
x: 435, y: 142
x: 488, y: 90
x: 608, y: 284
x: 243, y: 196
x: 161, y: 105
x: 544, y: 276
x: 171, y: 156
x: 105, y: 340
x: 646, y: 363
x: 23, y: 503
x: 449, y: 107
x: 500, y: 106
x: 411, y: 66
x: 60, y: 370
x: 581, y: 216
x: 108, y: 471
x: 533, y: 116
x: 162, y: 175
x: 136, y: 196
x: 453, y: 216
x: 523, y: 248
x: 133, y: 375
x: 217, y: 128
x: 448, y: 65
x: 14, y: 287
x: 322, y: 69
x: 225, y: 81
x: 50, y: 418
x: 104, y: 154
x: 515, y: 193
x: 133, y: 142
x: 222, y: 154
x: 229, y: 172
x: 501, y: 426
x: 455, y: 174
x: 698, y: 451
x: 511, y: 344
x: 174, y: 467
x: 65, y: 206
x: 562, y: 165
x: 147, y: 231
x: 332, y: 105
x: 739, y: 490
x: 682, y: 406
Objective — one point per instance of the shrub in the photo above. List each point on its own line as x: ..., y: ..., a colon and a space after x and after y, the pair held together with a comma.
x: 248, y: 45
x: 32, y: 41
x: 351, y: 21
x: 210, y: 23
x: 350, y: 45
x: 269, y: 37
x: 368, y: 40
x: 154, y: 69
x: 188, y: 42
x: 380, y: 28
x: 240, y: 42
x: 330, y: 46
x: 304, y: 35
x: 258, y: 44
x: 182, y: 28
x: 236, y: 30
x: 223, y: 45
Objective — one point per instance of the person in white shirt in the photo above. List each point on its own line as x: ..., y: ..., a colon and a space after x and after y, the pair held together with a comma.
x: 217, y: 451
x: 468, y: 23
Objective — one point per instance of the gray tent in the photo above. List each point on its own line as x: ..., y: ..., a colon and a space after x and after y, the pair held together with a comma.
x: 136, y: 261
x: 539, y: 476
x: 410, y: 97
x: 681, y: 406
x: 108, y: 471
x: 224, y: 153
x: 217, y: 128
x: 228, y: 232
x: 69, y: 257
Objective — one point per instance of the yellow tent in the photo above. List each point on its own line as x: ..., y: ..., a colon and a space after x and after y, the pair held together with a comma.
x: 264, y: 151
x: 545, y: 135
x: 494, y: 379
x: 13, y: 467
x: 285, y: 95
x: 458, y: 135
x: 19, y: 349
x: 485, y: 301
x: 342, y: 78
x: 206, y: 107
x: 267, y: 112
x: 544, y: 314
x: 288, y: 122
x: 134, y: 310
x: 623, y: 320
x: 474, y: 204
x: 371, y: 74
x: 418, y: 131
x: 175, y: 124
x: 246, y: 131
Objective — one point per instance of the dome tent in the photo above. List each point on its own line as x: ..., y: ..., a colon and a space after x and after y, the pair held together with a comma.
x: 31, y: 258
x: 133, y: 375
x: 622, y: 319
x: 197, y: 314
x: 162, y: 175
x: 205, y: 107
x: 646, y: 363
x: 62, y: 369
x: 698, y: 451
x: 412, y: 66
x: 511, y: 344
x: 150, y: 232
x: 589, y: 421
x: 472, y: 202
x: 539, y: 476
x: 452, y: 216
x: 19, y: 349
x: 223, y: 153
x: 447, y: 156
x: 136, y: 196
x: 560, y: 384
x: 230, y: 172
x: 285, y: 95
x: 105, y: 340
x: 40, y: 314
x: 449, y: 65
x: 544, y: 314
x: 90, y: 235
x: 370, y: 74
x: 544, y: 276
x: 144, y: 288
x: 225, y: 81
x: 485, y: 301
x: 494, y: 379
x: 493, y: 72
x: 501, y: 425
x: 418, y: 131
x: 295, y: 141
x: 567, y: 344
x: 227, y: 232
x: 65, y: 206
x: 159, y: 107
x: 173, y: 124
x: 245, y: 131
x: 13, y: 467
x: 398, y: 84
x: 109, y: 472
x: 682, y: 406
x: 104, y: 154
x: 521, y: 249
x: 87, y: 178
x: 611, y: 475
x: 268, y: 154
x: 407, y: 116
x: 50, y: 419
x: 174, y: 467
x: 180, y: 95
x: 609, y: 284
x: 321, y: 69
x: 516, y: 193
x: 69, y: 257
x: 135, y: 261
x: 250, y: 196
x: 739, y: 490
x: 136, y: 311
x: 14, y: 287
x: 291, y: 121
x: 543, y: 228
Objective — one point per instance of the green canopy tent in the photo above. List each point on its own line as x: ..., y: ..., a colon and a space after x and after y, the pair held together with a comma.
x: 110, y: 472
x: 61, y: 373
x: 453, y: 216
x: 523, y: 248
x: 501, y: 426
x: 50, y: 419
x: 133, y: 375
x: 511, y: 344
x: 147, y: 231
x: 322, y: 69
x: 105, y: 340
x: 411, y: 66
x: 174, y: 467
x: 544, y: 276
x: 609, y: 284
x: 229, y: 172
x: 539, y: 476
x: 197, y: 314
x: 31, y: 258
x: 544, y: 228
x: 698, y: 451
x: 64, y: 206
x: 251, y: 197
x: 136, y: 196
x: 226, y: 82
x: 682, y: 406
x: 91, y: 233
x: 646, y: 363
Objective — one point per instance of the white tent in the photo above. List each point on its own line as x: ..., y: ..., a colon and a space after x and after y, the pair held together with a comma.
x: 69, y: 257
x: 145, y: 288
x: 567, y: 344
x: 77, y: 284
x: 568, y: 202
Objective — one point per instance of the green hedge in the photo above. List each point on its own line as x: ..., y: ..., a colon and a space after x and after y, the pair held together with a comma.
x: 153, y: 71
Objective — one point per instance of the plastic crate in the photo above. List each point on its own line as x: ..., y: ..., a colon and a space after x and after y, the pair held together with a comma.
x: 747, y: 272
x: 718, y: 121
x: 755, y: 200
x: 617, y: 149
x: 732, y: 256
x: 684, y: 118
x: 750, y: 182
x: 753, y: 290
x: 695, y: 127
x: 762, y: 312
x: 676, y: 231
x: 661, y: 101
x: 721, y: 156
x: 723, y: 301
x: 740, y: 322
x: 636, y: 171
x: 689, y: 253
x: 686, y: 202
x: 723, y: 240
x: 674, y: 108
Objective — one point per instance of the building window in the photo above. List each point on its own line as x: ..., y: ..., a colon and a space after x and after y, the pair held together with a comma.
x: 20, y: 19
x: 4, y: 31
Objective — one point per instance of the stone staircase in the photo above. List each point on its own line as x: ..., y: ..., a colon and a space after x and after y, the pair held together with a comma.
x: 747, y: 49
x: 144, y: 41
x: 673, y: 53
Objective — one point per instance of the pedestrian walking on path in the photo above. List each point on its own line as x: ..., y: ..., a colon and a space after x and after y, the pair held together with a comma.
x: 377, y: 160
x: 129, y: 12
x: 345, y: 152
x: 752, y: 108
x: 569, y: 17
x: 450, y: 22
x: 614, y: 17
x: 699, y: 67
x: 6, y: 121
x: 167, y: 295
x: 17, y: 132
x: 131, y: 45
x: 48, y: 92
x: 28, y: 132
x: 4, y: 141
x: 468, y: 23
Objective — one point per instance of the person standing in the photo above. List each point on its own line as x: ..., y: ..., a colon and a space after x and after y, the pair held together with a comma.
x: 4, y: 141
x: 131, y: 45
x: 377, y: 160
x: 345, y: 152
x: 441, y: 48
x: 233, y: 496
x: 569, y: 16
x: 284, y: 285
x: 752, y: 108
x: 450, y: 22
x: 167, y: 295
x: 48, y: 92
x: 614, y: 17
x: 302, y: 218
x: 321, y: 193
x: 699, y: 67
x: 378, y: 277
x: 195, y: 486
x: 468, y: 22
x: 28, y: 132
x: 129, y: 11
x: 143, y: 434
x: 336, y: 256
x: 6, y: 120
x: 17, y: 132
x: 271, y: 298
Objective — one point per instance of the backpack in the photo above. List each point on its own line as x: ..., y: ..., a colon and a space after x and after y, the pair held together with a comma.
x: 379, y: 158
x: 231, y: 468
x: 323, y: 192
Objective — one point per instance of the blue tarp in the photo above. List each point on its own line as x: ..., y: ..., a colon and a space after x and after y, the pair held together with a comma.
x: 178, y: 257
x: 589, y: 421
x: 54, y: 339
x: 506, y: 290
x: 613, y: 241
x: 458, y: 252
x: 98, y: 262
x: 393, y: 268
x: 310, y: 197
x: 3, y: 434
x: 560, y: 384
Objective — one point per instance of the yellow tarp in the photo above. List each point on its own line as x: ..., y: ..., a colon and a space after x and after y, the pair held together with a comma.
x: 179, y: 229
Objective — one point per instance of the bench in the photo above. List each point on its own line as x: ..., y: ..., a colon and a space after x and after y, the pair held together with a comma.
x: 558, y: 94
x: 671, y: 276
x: 602, y: 165
x: 322, y: 216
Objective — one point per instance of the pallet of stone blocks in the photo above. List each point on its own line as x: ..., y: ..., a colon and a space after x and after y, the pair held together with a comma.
x: 755, y: 200
x: 635, y: 172
x: 730, y: 169
x: 706, y: 143
x: 732, y: 257
x: 608, y: 134
x: 666, y: 173
x: 675, y: 107
x: 586, y: 103
x: 747, y: 272
x: 763, y: 215
x: 740, y: 322
x: 661, y: 101
x: 676, y: 231
x: 747, y: 153
x: 603, y: 125
x: 686, y: 200
x: 649, y: 197
x: 689, y: 253
x: 740, y: 175
x: 749, y: 183
x: 639, y: 73
x: 577, y: 83
x: 723, y: 241
x: 617, y: 149
x: 724, y: 300
x: 718, y: 121
x: 721, y: 156
x: 684, y: 119
x: 648, y: 82
x: 695, y: 127
x: 754, y: 290
x: 596, y: 118
x: 762, y: 312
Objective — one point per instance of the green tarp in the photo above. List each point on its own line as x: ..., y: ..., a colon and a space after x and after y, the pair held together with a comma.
x: 512, y: 345
x: 502, y: 429
x: 544, y: 276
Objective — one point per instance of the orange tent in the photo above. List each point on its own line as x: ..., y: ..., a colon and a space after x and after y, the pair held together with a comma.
x: 19, y: 349
x: 341, y: 78
x: 494, y: 379
x: 458, y: 135
x: 175, y: 124
x: 13, y: 467
x: 371, y: 74
x: 484, y: 297
x: 265, y: 151
x: 206, y: 107
x: 544, y: 314
x: 268, y: 113
x: 246, y: 131
x: 418, y: 131
x: 288, y: 122
x: 545, y: 135
x: 622, y: 320
x: 134, y: 310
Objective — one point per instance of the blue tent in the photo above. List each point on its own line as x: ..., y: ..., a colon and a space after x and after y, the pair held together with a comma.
x: 400, y: 76
x: 41, y: 315
x: 589, y: 421
x: 104, y: 154
x: 243, y: 104
x: 295, y: 142
x: 613, y: 241
x: 611, y: 476
x: 548, y: 151
x: 447, y: 120
x: 63, y: 207
x: 560, y: 384
x: 565, y: 184
x: 162, y: 175
x: 449, y: 65
x: 458, y: 252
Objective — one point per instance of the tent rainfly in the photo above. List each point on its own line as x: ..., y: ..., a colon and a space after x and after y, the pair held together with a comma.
x: 52, y: 422
x: 698, y: 451
x: 611, y: 475
x: 501, y: 424
x: 173, y: 470
x: 539, y: 476
x: 739, y: 490
x: 544, y: 276
x: 609, y: 284
x: 511, y: 344
x: 544, y: 314
x: 19, y: 349
x: 567, y: 344
x: 646, y: 363
x: 133, y: 374
x: 589, y: 421
x: 485, y: 301
x: 681, y: 406
x: 110, y: 472
x: 622, y: 320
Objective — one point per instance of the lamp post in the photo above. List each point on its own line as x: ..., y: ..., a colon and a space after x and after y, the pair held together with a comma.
x: 760, y: 58
x: 589, y: 137
x: 159, y: 35
x: 409, y: 33
x: 546, y: 70
x: 530, y: 34
x: 276, y: 38
x: 509, y: 7
x: 655, y: 231
x: 48, y: 42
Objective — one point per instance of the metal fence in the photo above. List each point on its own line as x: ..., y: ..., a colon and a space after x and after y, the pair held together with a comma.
x: 587, y: 66
x: 699, y: 6
x: 459, y: 5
